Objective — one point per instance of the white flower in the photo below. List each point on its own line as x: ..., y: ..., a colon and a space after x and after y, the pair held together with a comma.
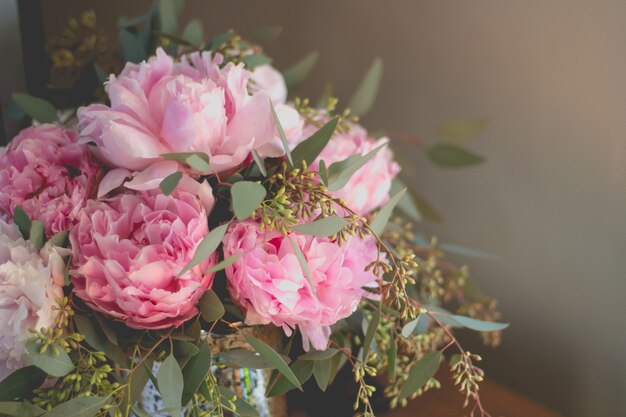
x: 30, y: 285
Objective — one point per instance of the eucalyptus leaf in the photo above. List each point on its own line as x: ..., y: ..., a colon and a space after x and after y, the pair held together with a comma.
x: 310, y: 148
x: 21, y: 219
x: 37, y: 235
x: 247, y: 196
x: 427, y: 211
x: 98, y: 339
x: 478, y: 325
x: 452, y: 156
x: 169, y: 183
x: 321, y: 372
x: 420, y: 374
x: 465, y: 251
x: 168, y: 16
x: 194, y: 32
x: 206, y: 248
x: 316, y: 355
x: 220, y: 40
x: 326, y: 226
x: 296, y: 74
x: 256, y: 60
x: 132, y: 48
x: 170, y: 381
x: 211, y: 306
x: 407, y: 329
x: 242, y: 358
x: 323, y: 172
x: 365, y: 95
x: 406, y: 204
x: 195, y: 371
x: 371, y: 332
x: 20, y: 409
x: 196, y: 160
x: 79, y: 407
x: 301, y: 369
x: 259, y: 162
x: 339, y: 173
x: 304, y: 264
x: 281, y: 132
x: 456, y: 131
x: 48, y: 361
x: 274, y: 358
x: 102, y: 76
x: 223, y: 264
x: 377, y: 225
x: 37, y: 108
x: 242, y: 408
x: 59, y: 239
x: 21, y: 382
x: 391, y: 359
x: 183, y: 348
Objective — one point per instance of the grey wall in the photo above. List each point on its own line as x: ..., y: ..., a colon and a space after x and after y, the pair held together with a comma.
x: 550, y: 76
x: 11, y: 74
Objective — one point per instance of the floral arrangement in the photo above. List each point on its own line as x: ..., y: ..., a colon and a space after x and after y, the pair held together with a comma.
x: 188, y: 203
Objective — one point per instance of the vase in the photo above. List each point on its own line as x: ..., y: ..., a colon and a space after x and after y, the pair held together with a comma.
x: 249, y: 384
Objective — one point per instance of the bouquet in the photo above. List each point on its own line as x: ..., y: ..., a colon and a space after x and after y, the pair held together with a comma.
x: 188, y: 220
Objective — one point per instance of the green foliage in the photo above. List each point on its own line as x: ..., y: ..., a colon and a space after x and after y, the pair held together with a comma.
x: 339, y: 173
x: 170, y: 382
x: 242, y: 358
x: 274, y: 358
x: 132, y: 48
x: 20, y: 409
x: 456, y: 131
x: 79, y: 407
x: 327, y: 226
x: 281, y: 132
x: 21, y: 219
x: 207, y: 247
x: 296, y: 74
x: 421, y: 373
x: 379, y: 222
x: 452, y: 156
x: 195, y: 160
x: 211, y: 307
x: 169, y: 183
x: 21, y: 382
x: 37, y: 235
x: 50, y: 358
x: 194, y: 32
x: 264, y: 34
x: 247, y: 196
x: 224, y: 264
x: 281, y: 384
x: 195, y: 371
x: 37, y: 108
x: 365, y: 95
x: 308, y: 150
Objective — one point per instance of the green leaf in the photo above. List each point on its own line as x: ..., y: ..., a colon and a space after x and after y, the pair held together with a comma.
x: 271, y: 356
x: 59, y: 239
x: 465, y: 251
x: 256, y: 60
x: 323, y: 172
x: 49, y: 362
x: 242, y: 408
x: 242, y: 358
x: 427, y: 211
x: 98, y: 339
x: 21, y: 382
x: 371, y: 332
x: 220, y: 40
x: 339, y: 173
x: 309, y: 149
x: 316, y: 355
x: 452, y: 156
x: 206, y: 248
x: 326, y: 226
x: 194, y: 32
x: 264, y: 34
x: 223, y: 264
x: 102, y: 77
x: 259, y: 161
x: 365, y: 95
x: 407, y: 329
x: 183, y: 348
x: 377, y: 225
x: 37, y: 108
x: 301, y: 369
x: 196, y: 371
x: 304, y: 265
x: 168, y: 16
x: 296, y: 74
x: 196, y: 160
x: 406, y: 203
x: 132, y: 49
x: 37, y: 235
x: 211, y: 306
x: 456, y: 131
x: 21, y: 219
x: 420, y: 373
x: 169, y: 183
x: 281, y: 131
x: 247, y: 196
x: 79, y: 407
x: 170, y: 381
x: 137, y: 381
x: 321, y: 372
x: 478, y: 325
x: 391, y: 359
x: 17, y: 409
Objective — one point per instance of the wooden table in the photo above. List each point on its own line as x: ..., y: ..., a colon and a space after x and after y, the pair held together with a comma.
x: 447, y: 402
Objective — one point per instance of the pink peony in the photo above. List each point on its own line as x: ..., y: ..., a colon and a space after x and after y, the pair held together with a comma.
x: 161, y: 106
x: 368, y: 189
x: 128, y: 251
x: 268, y: 282
x: 30, y: 285
x: 269, y: 79
x: 46, y: 172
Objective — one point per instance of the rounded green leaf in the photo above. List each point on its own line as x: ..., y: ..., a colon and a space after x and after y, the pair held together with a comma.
x: 452, y: 156
x: 35, y: 107
x: 299, y: 72
x: 274, y: 358
x: 48, y: 361
x: 323, y: 227
x: 211, y: 306
x: 420, y: 373
x: 170, y: 381
x: 79, y: 407
x: 247, y: 196
x: 21, y: 382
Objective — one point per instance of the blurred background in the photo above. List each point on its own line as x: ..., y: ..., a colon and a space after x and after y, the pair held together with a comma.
x: 550, y: 202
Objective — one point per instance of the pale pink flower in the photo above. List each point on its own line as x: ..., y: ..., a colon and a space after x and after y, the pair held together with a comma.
x: 269, y: 79
x: 270, y: 285
x: 128, y: 252
x: 31, y: 284
x: 195, y: 105
x: 368, y: 189
x: 46, y: 172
